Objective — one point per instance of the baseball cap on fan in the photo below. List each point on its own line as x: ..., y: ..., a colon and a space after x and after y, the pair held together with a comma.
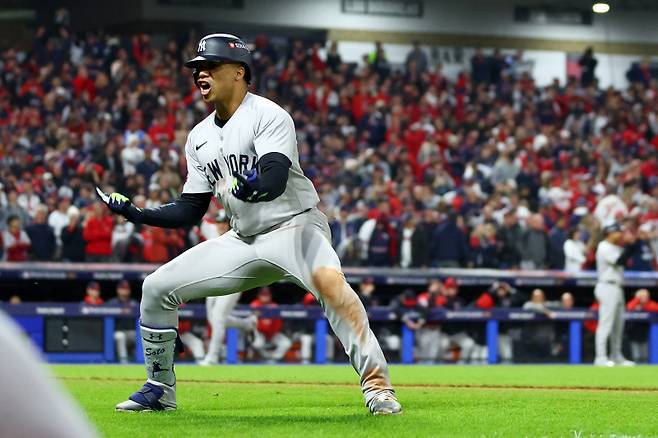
x: 222, y: 47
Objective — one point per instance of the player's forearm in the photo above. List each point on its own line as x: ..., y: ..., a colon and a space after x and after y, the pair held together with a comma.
x: 628, y: 252
x: 273, y: 175
x: 183, y: 212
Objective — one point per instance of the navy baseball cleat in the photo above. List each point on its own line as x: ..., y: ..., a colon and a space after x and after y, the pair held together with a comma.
x: 385, y: 404
x: 153, y: 396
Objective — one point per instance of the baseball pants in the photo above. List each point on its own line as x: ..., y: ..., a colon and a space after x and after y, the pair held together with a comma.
x: 611, y: 320
x: 298, y: 250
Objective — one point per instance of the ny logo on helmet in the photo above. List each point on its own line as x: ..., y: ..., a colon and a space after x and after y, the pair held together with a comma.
x: 202, y: 46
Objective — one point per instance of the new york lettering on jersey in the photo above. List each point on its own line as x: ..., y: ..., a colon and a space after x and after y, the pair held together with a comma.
x: 259, y: 126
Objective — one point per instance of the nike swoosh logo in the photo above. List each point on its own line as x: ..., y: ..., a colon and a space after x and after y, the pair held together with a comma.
x: 199, y: 147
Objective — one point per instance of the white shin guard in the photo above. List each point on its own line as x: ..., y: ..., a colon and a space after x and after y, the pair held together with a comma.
x: 159, y: 346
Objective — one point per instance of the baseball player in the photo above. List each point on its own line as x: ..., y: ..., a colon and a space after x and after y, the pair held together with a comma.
x: 218, y: 311
x: 245, y: 153
x: 611, y: 256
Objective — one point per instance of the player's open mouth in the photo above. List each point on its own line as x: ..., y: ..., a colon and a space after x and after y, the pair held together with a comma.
x: 204, y: 87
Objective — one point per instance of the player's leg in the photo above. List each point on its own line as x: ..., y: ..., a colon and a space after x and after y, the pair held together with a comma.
x: 605, y: 296
x: 315, y: 266
x: 215, y: 267
x: 466, y: 345
x: 505, y: 348
x: 617, y: 332
x: 282, y: 345
x: 220, y: 308
x: 434, y: 347
x: 194, y: 343
x: 121, y: 342
x: 306, y: 347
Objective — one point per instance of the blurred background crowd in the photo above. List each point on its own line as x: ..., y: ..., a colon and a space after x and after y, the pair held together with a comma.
x: 413, y: 169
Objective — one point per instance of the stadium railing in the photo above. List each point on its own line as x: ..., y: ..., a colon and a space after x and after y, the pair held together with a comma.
x: 32, y: 317
x: 390, y: 276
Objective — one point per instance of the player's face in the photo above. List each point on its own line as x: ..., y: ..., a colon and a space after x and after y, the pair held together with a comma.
x: 216, y: 80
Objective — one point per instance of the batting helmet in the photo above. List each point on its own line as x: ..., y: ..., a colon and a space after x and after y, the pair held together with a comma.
x: 222, y: 47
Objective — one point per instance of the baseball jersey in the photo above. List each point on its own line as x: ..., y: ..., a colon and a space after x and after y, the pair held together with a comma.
x: 259, y: 126
x: 607, y: 255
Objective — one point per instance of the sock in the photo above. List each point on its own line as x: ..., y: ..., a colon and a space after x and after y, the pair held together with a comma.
x: 159, y: 346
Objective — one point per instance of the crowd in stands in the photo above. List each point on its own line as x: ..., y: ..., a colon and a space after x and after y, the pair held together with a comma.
x: 413, y: 169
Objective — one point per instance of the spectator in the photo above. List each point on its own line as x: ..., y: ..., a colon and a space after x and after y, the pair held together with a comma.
x: 73, y: 241
x: 93, y: 294
x: 28, y: 200
x: 638, y: 333
x: 483, y: 246
x: 334, y: 59
x: 456, y: 333
x: 538, y: 337
x: 587, y: 64
x: 431, y: 345
x: 561, y: 344
x: 15, y: 241
x: 499, y: 295
x: 97, y: 233
x: 122, y: 237
x: 479, y: 67
x: 13, y: 209
x: 449, y: 248
x: 124, y: 328
x: 418, y: 57
x: 160, y: 245
x: 413, y: 247
x: 643, y: 257
x: 574, y: 252
x: 534, y: 244
x: 58, y: 220
x: 379, y: 246
x: 269, y: 341
x: 41, y: 236
x: 508, y: 241
x: 556, y: 240
x: 344, y: 236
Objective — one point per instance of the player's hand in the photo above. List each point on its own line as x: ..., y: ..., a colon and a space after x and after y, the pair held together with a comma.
x: 245, y: 187
x: 120, y: 204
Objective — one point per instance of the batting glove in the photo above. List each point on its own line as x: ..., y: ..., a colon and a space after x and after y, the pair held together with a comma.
x: 246, y: 187
x: 120, y: 204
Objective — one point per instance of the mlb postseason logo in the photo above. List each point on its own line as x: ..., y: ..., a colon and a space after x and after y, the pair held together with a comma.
x: 202, y: 46
x: 237, y: 45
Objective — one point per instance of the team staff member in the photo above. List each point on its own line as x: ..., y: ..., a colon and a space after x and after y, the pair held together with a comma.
x: 245, y: 153
x: 611, y: 256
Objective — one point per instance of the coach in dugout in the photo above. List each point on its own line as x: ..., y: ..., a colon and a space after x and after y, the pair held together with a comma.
x: 612, y: 254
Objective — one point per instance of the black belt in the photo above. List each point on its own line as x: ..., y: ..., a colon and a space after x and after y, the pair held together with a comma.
x: 611, y: 282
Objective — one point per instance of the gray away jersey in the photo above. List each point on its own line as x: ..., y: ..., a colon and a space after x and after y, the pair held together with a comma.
x: 259, y: 126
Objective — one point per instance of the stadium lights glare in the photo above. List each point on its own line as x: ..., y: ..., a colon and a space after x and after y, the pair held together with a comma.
x: 600, y: 8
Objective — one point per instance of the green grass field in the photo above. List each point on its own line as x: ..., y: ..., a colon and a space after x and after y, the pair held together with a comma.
x: 440, y: 401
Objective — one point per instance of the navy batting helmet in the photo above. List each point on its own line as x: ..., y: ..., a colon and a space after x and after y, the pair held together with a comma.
x: 222, y: 47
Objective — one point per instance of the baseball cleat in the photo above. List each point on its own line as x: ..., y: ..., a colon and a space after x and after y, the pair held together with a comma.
x: 603, y: 362
x: 622, y: 361
x: 207, y: 362
x: 385, y: 404
x: 152, y: 397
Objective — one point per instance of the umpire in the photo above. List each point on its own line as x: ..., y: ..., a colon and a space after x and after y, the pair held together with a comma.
x: 612, y: 253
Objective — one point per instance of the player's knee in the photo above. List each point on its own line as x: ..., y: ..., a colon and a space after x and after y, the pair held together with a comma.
x: 119, y: 336
x: 156, y: 293
x: 341, y: 302
x: 332, y: 287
